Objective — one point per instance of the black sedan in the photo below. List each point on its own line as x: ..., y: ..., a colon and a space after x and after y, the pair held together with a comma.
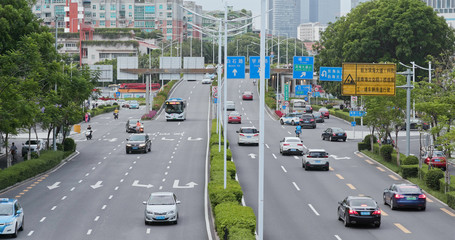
x: 359, y: 210
x: 334, y: 134
x: 139, y: 143
x: 405, y: 196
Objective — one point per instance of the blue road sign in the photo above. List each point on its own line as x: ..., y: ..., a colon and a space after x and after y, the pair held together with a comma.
x: 236, y: 67
x: 302, y: 90
x: 353, y: 124
x: 356, y: 113
x: 331, y: 74
x: 255, y: 62
x: 117, y: 94
x: 215, y: 100
x: 316, y: 94
x: 303, y: 67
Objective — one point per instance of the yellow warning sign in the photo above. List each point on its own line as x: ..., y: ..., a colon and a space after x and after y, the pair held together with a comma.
x: 368, y: 79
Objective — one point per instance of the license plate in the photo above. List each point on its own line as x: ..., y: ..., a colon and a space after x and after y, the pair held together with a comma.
x: 318, y: 161
x: 160, y: 217
x: 437, y: 160
x: 306, y: 121
x: 134, y: 147
x: 411, y: 198
x: 248, y: 136
x: 365, y: 213
x: 340, y: 134
x: 293, y: 150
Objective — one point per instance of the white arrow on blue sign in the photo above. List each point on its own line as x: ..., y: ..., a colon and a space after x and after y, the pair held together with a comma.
x: 331, y: 74
x: 235, y: 67
x: 303, y: 67
x: 255, y: 63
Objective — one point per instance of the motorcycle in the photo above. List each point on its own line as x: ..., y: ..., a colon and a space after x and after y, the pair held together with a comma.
x: 140, y: 129
x: 88, y: 134
x: 115, y: 115
x: 298, y: 132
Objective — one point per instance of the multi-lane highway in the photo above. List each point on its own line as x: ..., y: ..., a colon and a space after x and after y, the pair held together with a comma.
x: 301, y: 204
x: 99, y: 193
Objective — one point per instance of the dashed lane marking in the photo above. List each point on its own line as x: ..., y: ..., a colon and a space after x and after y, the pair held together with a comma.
x: 351, y: 186
x: 284, y: 169
x: 339, y: 176
x: 295, y: 185
x: 30, y: 233
x: 314, y: 210
x: 331, y: 169
x: 448, y: 212
x: 384, y: 213
x: 274, y: 156
x: 393, y: 177
x: 402, y: 228
x: 89, y: 232
x: 368, y: 161
x: 42, y: 219
x: 380, y: 169
x: 96, y: 219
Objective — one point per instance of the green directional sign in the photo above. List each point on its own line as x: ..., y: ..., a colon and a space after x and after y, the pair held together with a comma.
x: 286, y: 92
x: 303, y: 67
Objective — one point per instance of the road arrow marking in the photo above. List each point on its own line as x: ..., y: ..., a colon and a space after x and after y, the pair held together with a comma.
x: 252, y: 155
x: 136, y: 184
x: 194, y: 139
x: 188, y: 185
x: 97, y: 185
x: 166, y: 139
x: 339, y: 158
x: 53, y: 186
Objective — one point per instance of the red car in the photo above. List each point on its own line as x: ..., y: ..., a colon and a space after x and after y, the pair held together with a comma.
x: 437, y: 160
x: 234, y: 117
x: 325, y: 112
x: 247, y: 95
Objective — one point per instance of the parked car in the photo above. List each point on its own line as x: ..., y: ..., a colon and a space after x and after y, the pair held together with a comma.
x: 206, y: 80
x: 359, y: 210
x: 139, y: 142
x: 131, y: 126
x: 11, y: 217
x: 307, y: 120
x: 334, y: 134
x: 234, y: 117
x: 416, y: 124
x: 316, y: 158
x: 318, y: 117
x: 325, y: 112
x: 405, y: 195
x: 308, y: 109
x: 437, y: 159
x: 125, y: 104
x: 161, y: 207
x: 230, y: 106
x: 36, y: 145
x: 247, y: 95
x: 133, y: 105
x: 248, y: 135
x: 290, y: 118
x: 291, y: 145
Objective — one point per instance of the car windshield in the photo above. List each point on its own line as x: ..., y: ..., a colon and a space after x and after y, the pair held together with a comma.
x: 31, y: 142
x: 317, y: 154
x: 133, y: 102
x: 438, y: 154
x: 174, y: 108
x: 234, y: 114
x: 137, y: 138
x: 133, y: 121
x: 323, y: 110
x: 317, y: 114
x: 6, y: 209
x: 249, y: 130
x: 409, y: 189
x: 292, y: 140
x: 363, y: 203
x: 307, y: 117
x: 161, y: 200
x: 337, y: 130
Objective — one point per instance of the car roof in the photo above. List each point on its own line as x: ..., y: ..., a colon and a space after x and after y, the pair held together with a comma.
x: 316, y: 150
x: 292, y: 138
x: 247, y: 128
x: 359, y: 197
x: 405, y: 185
x: 162, y: 194
x: 7, y: 200
x: 143, y: 134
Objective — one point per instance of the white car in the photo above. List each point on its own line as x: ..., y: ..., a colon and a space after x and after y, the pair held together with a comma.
x: 206, y: 81
x: 230, y: 106
x: 161, y: 207
x: 291, y: 145
x: 11, y: 217
x: 248, y: 135
x: 316, y: 158
x: 35, y: 146
x: 290, y: 118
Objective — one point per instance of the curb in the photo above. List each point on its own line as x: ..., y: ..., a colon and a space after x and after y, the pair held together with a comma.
x: 63, y: 162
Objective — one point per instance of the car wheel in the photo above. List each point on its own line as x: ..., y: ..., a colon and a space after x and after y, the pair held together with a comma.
x: 331, y: 139
x: 328, y: 117
x: 346, y: 221
x: 127, y: 152
x: 443, y: 169
x: 281, y: 151
x: 146, y: 223
x: 344, y: 139
x: 327, y: 168
x: 392, y: 206
x: 323, y: 138
x: 281, y: 121
x: 423, y: 208
x: 303, y: 165
x: 385, y: 201
x: 338, y: 213
x: 307, y: 168
x: 314, y: 127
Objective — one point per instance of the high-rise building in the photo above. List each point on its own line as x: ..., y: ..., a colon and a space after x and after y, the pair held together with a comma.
x: 310, y: 31
x: 328, y: 11
x: 192, y: 21
x: 442, y: 6
x: 232, y: 14
x: 285, y: 17
x: 355, y: 3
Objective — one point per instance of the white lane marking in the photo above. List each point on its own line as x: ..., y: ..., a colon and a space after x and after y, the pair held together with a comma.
x: 96, y: 219
x: 267, y: 146
x: 337, y: 237
x: 72, y: 189
x: 30, y: 233
x: 168, y: 167
x: 172, y: 157
x: 42, y: 219
x: 161, y: 187
x: 134, y: 162
x: 148, y: 231
x: 170, y: 162
x: 296, y: 157
x: 121, y: 180
x: 241, y: 103
x: 99, y: 163
x: 93, y: 168
x: 104, y: 157
x: 110, y: 197
x: 64, y: 197
x: 87, y: 174
x: 165, y: 173
x: 314, y: 210
x: 80, y: 181
x: 53, y: 208
x: 104, y: 207
x: 138, y: 157
x: 295, y: 185
x: 116, y: 188
x: 110, y: 153
x: 131, y: 167
x: 164, y: 180
x: 273, y: 154
x: 289, y: 132
x: 114, y: 149
x: 126, y: 174
x: 178, y: 124
x: 284, y: 169
x: 89, y: 232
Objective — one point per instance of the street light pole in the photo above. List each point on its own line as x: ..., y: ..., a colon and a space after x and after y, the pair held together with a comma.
x: 260, y: 220
x: 408, y: 88
x: 225, y: 92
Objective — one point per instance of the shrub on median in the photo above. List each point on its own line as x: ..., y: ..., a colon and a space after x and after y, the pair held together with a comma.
x: 432, y: 178
x: 386, y: 152
x: 409, y: 171
x: 451, y: 199
x: 410, y: 160
x: 231, y: 216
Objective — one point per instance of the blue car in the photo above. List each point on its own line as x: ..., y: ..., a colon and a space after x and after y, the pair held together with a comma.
x: 405, y: 196
x: 134, y: 105
x: 11, y: 217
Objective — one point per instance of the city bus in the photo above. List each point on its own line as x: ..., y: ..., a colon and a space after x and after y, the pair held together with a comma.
x: 298, y: 105
x: 175, y: 109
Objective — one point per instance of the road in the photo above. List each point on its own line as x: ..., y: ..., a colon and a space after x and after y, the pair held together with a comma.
x: 302, y: 204
x: 99, y: 193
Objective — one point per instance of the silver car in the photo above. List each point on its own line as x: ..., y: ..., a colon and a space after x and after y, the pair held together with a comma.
x: 230, y: 106
x: 316, y: 158
x: 248, y: 135
x: 161, y: 207
x: 291, y: 145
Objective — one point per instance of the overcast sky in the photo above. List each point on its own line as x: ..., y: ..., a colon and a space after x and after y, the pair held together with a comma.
x: 253, y: 5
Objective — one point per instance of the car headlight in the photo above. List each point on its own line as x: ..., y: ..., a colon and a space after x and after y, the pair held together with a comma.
x: 9, y: 223
x: 171, y: 212
x: 142, y: 145
x: 128, y: 145
x: 149, y: 212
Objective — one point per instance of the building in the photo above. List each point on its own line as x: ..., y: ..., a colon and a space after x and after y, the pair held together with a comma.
x: 285, y: 17
x: 192, y: 19
x: 355, y: 3
x: 442, y: 6
x: 310, y: 31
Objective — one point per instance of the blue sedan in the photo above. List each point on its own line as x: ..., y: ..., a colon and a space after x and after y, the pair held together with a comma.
x: 405, y: 196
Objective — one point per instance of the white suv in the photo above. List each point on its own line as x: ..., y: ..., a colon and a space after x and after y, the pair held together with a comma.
x: 35, y: 146
x: 291, y: 145
x: 248, y: 135
x: 316, y: 158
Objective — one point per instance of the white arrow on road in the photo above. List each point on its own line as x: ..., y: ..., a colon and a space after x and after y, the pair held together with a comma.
x: 97, y: 185
x: 188, y: 185
x: 167, y: 139
x: 252, y: 155
x: 53, y: 186
x: 234, y: 72
x: 338, y: 158
x: 194, y: 139
x: 136, y: 184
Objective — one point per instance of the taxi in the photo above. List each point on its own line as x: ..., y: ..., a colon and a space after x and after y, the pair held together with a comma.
x: 11, y: 217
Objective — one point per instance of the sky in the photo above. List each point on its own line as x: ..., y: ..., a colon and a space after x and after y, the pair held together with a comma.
x: 253, y: 5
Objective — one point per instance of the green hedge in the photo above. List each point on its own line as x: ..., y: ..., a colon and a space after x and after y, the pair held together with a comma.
x: 231, y: 216
x: 432, y: 178
x: 214, y: 152
x: 162, y: 95
x: 218, y: 194
x: 217, y: 164
x: 443, y: 184
x: 386, y: 152
x: 100, y: 110
x: 363, y: 146
x: 451, y: 199
x: 410, y: 160
x: 409, y: 171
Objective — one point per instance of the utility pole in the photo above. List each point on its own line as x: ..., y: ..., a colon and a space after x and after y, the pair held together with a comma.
x: 260, y: 218
x: 225, y: 92
x: 55, y: 86
x: 408, y: 88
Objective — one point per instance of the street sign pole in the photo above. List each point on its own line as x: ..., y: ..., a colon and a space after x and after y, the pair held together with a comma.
x: 260, y: 218
x: 408, y: 88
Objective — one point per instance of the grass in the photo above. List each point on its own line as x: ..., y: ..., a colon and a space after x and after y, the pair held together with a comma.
x: 391, y: 165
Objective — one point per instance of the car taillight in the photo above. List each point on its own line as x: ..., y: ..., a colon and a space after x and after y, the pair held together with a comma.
x: 256, y: 135
x: 422, y: 196
x: 326, y: 156
x: 312, y: 120
x: 286, y: 144
x: 353, y: 212
x: 243, y: 135
x: 334, y: 134
x: 344, y: 134
x: 377, y: 212
x: 398, y: 196
x: 299, y: 144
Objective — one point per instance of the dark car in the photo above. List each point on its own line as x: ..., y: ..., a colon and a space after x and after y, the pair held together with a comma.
x: 308, y: 109
x: 405, y: 196
x: 307, y: 120
x: 139, y: 142
x: 334, y: 134
x: 359, y: 210
x: 318, y: 117
x: 131, y: 126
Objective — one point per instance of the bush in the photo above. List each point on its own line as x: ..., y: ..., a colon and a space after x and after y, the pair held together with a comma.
x: 386, y: 152
x: 345, y: 110
x: 69, y: 145
x: 363, y: 146
x: 410, y: 160
x: 432, y: 178
x: 451, y: 199
x: 240, y: 233
x: 367, y: 140
x: 149, y: 116
x: 329, y: 106
x: 231, y: 215
x: 409, y: 171
x: 218, y: 194
x: 218, y: 165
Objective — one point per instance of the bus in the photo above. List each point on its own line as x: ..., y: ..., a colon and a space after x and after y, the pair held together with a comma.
x: 174, y: 109
x: 298, y: 105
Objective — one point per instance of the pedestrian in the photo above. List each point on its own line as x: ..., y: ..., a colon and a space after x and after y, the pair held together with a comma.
x: 13, y: 151
x: 89, y: 116
x: 86, y: 117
